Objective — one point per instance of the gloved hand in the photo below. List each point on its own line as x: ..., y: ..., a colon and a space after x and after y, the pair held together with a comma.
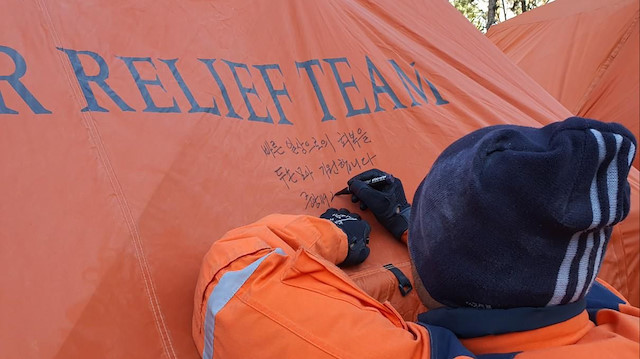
x: 384, y: 195
x: 357, y: 231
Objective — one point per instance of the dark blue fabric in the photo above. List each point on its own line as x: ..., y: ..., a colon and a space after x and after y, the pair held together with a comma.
x: 492, y: 221
x: 445, y: 345
x: 599, y: 297
x: 473, y: 323
x: 499, y: 356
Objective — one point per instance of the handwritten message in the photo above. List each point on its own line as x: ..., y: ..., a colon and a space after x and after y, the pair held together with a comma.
x: 343, y: 152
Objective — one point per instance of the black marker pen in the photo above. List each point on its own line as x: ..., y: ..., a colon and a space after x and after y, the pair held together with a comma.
x: 369, y: 181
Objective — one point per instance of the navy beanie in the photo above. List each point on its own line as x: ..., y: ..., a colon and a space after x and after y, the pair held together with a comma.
x: 513, y: 216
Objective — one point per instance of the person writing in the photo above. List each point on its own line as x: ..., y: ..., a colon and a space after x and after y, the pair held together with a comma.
x: 506, y: 235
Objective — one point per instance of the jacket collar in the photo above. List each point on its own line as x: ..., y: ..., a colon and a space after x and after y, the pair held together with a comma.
x: 472, y: 322
x: 511, y: 330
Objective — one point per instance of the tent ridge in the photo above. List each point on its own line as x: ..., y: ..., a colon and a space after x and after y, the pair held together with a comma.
x: 520, y: 20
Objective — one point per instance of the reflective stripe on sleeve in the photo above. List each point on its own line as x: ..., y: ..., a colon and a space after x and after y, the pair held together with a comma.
x: 226, y: 288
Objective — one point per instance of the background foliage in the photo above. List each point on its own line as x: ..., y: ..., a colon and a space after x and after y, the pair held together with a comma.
x: 484, y: 13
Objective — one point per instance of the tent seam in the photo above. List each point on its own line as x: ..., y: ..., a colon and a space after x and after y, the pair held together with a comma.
x: 605, y: 65
x: 101, y: 151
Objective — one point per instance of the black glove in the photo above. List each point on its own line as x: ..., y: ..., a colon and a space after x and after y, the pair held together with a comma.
x: 384, y: 195
x: 357, y: 231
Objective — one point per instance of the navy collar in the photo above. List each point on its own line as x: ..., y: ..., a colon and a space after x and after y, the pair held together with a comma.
x: 473, y: 323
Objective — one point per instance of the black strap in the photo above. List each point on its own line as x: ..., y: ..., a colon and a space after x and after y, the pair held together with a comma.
x: 404, y: 284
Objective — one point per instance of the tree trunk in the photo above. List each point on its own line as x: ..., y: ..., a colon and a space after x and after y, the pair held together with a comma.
x: 491, y: 13
x: 523, y: 5
x: 504, y: 11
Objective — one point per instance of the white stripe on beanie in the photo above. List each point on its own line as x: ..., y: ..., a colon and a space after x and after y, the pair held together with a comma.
x: 583, y: 268
x: 596, y: 265
x: 632, y: 151
x: 562, y: 281
x: 595, y: 203
x: 612, y: 181
x: 563, y: 274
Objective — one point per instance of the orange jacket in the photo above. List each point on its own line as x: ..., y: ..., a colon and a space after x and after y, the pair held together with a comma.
x: 272, y: 290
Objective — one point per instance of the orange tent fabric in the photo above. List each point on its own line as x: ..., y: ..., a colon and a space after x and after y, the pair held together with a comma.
x: 583, y: 52
x: 133, y: 134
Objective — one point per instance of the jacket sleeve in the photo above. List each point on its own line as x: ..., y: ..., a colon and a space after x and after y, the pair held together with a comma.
x: 271, y: 290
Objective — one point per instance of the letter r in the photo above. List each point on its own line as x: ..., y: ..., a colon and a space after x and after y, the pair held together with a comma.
x: 19, y: 87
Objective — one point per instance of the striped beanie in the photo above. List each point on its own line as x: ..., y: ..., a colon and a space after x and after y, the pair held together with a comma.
x: 513, y: 216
